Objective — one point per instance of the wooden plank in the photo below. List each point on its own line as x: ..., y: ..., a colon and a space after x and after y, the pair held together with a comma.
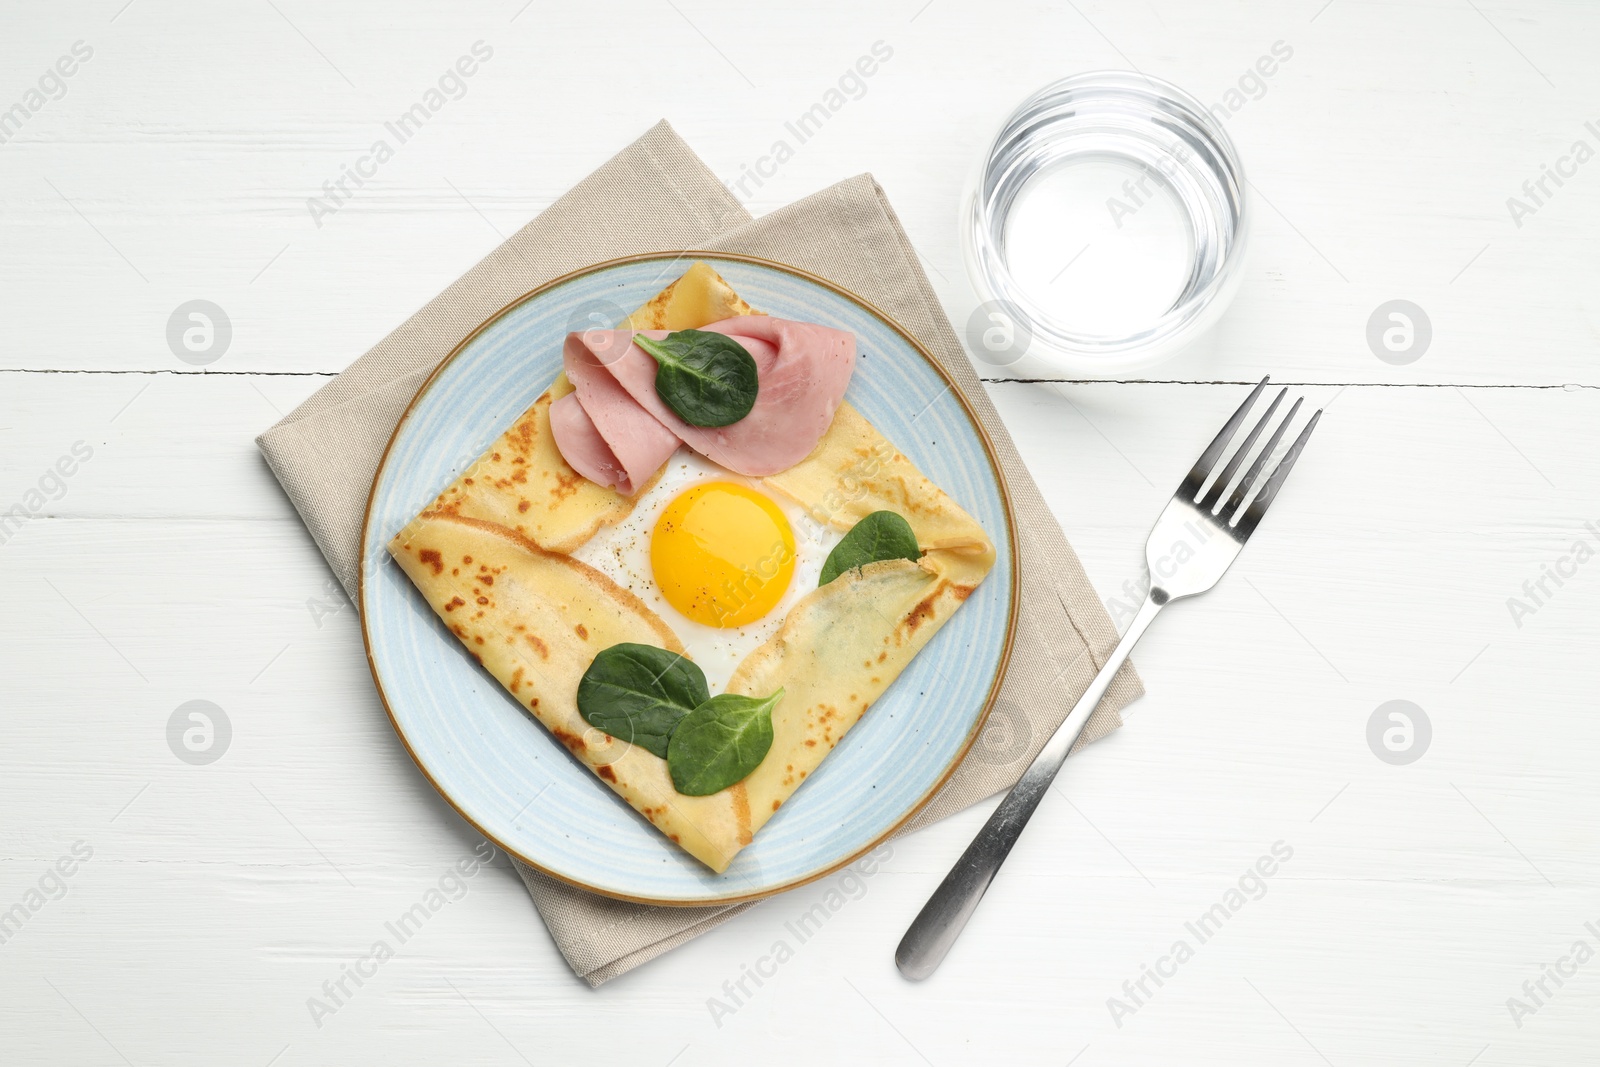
x: 177, y: 576
x: 1344, y: 224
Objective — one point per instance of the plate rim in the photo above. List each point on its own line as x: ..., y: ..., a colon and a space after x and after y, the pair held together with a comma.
x: 1007, y: 507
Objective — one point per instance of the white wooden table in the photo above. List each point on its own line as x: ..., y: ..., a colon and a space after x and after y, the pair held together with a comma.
x: 175, y: 163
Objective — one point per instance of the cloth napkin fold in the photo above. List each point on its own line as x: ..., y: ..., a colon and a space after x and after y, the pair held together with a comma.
x: 657, y: 195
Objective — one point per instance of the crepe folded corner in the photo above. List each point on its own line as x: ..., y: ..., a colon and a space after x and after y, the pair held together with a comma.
x: 490, y: 556
x: 535, y: 619
x: 698, y: 298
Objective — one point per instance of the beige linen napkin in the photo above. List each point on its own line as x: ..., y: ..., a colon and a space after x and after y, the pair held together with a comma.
x: 657, y: 195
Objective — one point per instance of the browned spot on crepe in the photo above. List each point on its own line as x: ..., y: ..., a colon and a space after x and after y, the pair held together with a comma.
x: 741, y: 811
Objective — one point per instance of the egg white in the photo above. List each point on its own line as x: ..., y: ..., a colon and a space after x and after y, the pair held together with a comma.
x: 622, y: 553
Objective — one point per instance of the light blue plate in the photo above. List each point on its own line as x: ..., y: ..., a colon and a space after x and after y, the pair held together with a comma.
x: 508, y: 777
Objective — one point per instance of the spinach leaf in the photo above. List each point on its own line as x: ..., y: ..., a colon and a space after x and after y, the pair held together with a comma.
x: 638, y: 693
x: 707, y: 378
x: 720, y: 743
x: 881, y: 535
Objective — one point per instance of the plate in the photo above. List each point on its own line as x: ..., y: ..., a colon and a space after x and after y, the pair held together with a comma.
x: 507, y: 776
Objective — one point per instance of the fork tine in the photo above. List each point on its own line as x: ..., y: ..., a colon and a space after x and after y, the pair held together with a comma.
x: 1190, y: 488
x: 1259, y: 506
x: 1249, y: 479
x: 1221, y: 484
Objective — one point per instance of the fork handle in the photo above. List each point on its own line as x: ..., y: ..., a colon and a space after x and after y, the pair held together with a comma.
x: 941, y: 920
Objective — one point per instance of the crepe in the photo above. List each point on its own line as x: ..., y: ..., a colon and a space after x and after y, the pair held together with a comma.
x: 490, y: 557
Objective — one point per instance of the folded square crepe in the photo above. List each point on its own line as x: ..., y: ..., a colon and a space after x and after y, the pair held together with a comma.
x: 491, y: 555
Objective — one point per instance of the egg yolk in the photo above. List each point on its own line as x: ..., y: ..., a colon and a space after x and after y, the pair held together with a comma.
x: 722, y: 554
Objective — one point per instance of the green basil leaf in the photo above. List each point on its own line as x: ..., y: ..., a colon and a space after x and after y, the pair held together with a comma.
x: 881, y: 535
x: 707, y: 378
x: 639, y: 693
x: 720, y: 743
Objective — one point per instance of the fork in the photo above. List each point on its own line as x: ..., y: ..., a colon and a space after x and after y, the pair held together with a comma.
x: 1197, y: 537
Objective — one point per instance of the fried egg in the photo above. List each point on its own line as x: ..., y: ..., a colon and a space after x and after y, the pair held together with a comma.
x: 717, y: 556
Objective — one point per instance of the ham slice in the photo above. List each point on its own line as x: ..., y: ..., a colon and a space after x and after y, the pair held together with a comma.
x: 581, y: 445
x: 598, y: 427
x: 802, y: 368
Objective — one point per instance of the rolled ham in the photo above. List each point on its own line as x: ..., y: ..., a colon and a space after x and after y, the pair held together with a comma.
x: 616, y: 430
